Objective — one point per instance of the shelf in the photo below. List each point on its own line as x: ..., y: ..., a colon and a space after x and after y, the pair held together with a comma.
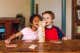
x: 75, y: 19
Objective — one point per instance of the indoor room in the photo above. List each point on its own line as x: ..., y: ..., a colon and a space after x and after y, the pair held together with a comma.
x: 45, y: 26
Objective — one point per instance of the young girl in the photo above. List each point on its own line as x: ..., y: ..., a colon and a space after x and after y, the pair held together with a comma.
x: 29, y: 33
x: 51, y: 32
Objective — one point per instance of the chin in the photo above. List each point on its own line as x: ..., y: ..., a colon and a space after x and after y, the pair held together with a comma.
x: 36, y: 27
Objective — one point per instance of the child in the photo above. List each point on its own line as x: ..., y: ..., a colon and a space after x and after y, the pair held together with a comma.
x: 51, y: 32
x: 29, y: 33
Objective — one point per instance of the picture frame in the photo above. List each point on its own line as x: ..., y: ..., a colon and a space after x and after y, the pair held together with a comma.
x: 78, y: 2
x: 78, y: 14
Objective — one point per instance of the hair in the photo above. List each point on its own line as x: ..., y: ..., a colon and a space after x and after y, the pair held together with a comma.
x: 33, y: 16
x: 49, y: 12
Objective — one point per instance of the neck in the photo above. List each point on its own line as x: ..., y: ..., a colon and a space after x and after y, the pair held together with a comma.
x: 49, y: 26
x: 34, y: 28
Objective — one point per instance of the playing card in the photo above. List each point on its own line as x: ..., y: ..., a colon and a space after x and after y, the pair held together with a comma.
x: 32, y: 46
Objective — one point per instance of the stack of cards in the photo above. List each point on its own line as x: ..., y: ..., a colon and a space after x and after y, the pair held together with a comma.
x: 41, y: 32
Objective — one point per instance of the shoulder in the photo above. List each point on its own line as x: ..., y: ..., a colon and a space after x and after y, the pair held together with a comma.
x: 26, y: 29
x: 56, y: 27
x: 60, y: 32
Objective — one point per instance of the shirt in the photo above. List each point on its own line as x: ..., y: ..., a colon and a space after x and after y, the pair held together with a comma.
x: 28, y: 34
x: 53, y: 33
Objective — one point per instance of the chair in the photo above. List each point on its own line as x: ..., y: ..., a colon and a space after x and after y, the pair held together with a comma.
x: 2, y: 32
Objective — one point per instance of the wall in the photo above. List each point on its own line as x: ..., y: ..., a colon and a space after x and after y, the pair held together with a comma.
x: 52, y: 5
x: 69, y: 18
x: 9, y: 8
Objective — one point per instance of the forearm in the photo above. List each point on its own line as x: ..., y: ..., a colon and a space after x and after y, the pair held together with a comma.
x: 7, y: 41
x: 14, y: 36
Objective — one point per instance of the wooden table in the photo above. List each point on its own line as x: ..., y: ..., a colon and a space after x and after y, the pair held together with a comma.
x: 69, y: 46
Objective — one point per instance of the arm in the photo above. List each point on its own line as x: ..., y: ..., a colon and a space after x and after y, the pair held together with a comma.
x: 61, y: 35
x: 7, y: 41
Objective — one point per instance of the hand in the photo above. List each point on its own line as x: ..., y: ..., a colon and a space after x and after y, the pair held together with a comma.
x: 7, y: 41
x: 43, y: 23
x: 55, y: 41
x: 11, y: 45
x: 64, y: 38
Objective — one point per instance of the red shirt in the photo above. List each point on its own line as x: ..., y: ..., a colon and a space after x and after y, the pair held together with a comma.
x: 51, y: 34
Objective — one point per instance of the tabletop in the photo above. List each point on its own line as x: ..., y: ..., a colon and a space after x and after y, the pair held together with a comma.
x: 68, y: 46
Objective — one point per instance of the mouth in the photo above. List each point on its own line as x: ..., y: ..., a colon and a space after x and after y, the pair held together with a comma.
x: 36, y: 24
x: 46, y: 22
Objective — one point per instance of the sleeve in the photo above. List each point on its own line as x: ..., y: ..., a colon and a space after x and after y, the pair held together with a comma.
x: 24, y: 30
x: 60, y: 33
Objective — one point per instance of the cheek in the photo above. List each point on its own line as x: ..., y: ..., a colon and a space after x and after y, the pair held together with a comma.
x: 33, y: 22
x: 48, y: 20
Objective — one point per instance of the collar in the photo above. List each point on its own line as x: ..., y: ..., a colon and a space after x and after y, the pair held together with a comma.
x: 49, y: 26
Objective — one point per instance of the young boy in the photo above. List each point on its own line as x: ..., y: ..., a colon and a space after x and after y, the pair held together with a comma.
x: 51, y: 32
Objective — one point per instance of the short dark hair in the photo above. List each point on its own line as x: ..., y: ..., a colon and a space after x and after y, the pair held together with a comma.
x: 33, y: 16
x: 49, y: 12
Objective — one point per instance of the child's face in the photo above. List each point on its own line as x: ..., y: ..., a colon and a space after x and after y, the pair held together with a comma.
x: 36, y: 21
x: 48, y: 19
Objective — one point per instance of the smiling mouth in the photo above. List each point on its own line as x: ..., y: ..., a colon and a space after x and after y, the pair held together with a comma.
x: 37, y: 24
